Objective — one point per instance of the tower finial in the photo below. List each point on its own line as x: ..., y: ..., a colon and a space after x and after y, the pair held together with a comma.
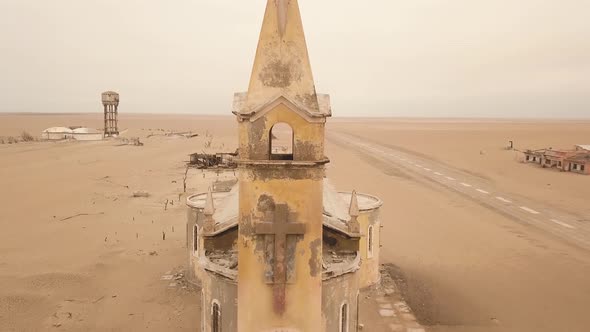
x: 354, y: 212
x: 209, y: 204
x: 208, y: 211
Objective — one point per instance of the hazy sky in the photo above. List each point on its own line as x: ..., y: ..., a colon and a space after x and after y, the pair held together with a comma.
x: 494, y: 58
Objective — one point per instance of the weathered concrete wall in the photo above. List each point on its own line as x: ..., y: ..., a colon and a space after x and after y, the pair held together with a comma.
x: 339, y: 291
x: 224, y: 292
x: 336, y: 241
x: 193, y: 270
x: 370, y: 263
x: 570, y: 167
x: 254, y: 137
x: 225, y: 241
x: 259, y: 192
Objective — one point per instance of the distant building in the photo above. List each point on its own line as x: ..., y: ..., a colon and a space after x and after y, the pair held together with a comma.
x: 533, y: 156
x: 579, y: 163
x: 576, y: 160
x: 87, y: 134
x: 110, y: 102
x: 79, y: 134
x: 555, y: 158
x: 56, y: 133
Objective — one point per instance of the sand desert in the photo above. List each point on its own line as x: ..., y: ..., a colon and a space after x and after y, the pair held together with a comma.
x: 80, y: 253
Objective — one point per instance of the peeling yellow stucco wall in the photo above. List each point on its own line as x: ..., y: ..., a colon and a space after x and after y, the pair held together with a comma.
x: 370, y: 263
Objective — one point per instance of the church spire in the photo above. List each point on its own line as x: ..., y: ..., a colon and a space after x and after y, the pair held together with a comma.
x: 281, y: 66
x: 282, y: 11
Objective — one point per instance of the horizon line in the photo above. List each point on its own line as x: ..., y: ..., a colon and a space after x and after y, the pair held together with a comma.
x: 449, y: 117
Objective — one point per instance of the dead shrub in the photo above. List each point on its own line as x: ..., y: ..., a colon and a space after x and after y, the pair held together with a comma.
x: 208, y: 140
x: 26, y: 137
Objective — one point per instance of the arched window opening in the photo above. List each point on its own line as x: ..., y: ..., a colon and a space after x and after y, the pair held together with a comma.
x: 370, y: 242
x: 215, y: 317
x: 195, y: 240
x: 344, y: 317
x: 281, y: 142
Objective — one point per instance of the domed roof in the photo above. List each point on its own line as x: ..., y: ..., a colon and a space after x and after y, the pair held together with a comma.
x: 334, y: 204
x: 366, y: 202
x: 85, y: 130
x: 58, y: 130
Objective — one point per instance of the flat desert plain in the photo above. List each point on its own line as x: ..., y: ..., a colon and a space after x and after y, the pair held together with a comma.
x: 79, y: 253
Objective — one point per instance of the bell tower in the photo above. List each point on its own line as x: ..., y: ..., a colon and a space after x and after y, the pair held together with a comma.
x: 281, y: 122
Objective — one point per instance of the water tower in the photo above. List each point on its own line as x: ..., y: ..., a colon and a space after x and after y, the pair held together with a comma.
x: 110, y: 101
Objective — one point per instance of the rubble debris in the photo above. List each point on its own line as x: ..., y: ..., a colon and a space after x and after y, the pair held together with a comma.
x: 183, y: 134
x: 169, y: 133
x: 214, y: 160
x: 98, y: 300
x: 81, y: 214
x: 135, y: 141
x: 141, y: 193
x: 226, y: 259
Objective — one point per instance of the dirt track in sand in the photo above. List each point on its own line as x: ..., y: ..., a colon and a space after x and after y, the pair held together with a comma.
x: 468, y: 267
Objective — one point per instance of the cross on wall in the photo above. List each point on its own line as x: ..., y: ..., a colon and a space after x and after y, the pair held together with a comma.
x: 280, y: 228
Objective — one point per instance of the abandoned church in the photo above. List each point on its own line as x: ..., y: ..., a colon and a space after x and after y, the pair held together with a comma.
x: 279, y: 249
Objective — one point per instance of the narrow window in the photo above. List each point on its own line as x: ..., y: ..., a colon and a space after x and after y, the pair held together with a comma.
x: 528, y: 158
x: 281, y: 142
x: 583, y: 167
x: 358, y: 305
x: 370, y: 242
x: 215, y: 317
x: 344, y: 318
x: 195, y: 240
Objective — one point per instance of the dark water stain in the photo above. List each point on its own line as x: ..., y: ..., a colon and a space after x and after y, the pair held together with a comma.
x: 314, y: 261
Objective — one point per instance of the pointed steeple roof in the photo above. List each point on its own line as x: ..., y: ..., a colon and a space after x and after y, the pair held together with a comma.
x: 282, y: 66
x: 209, y: 204
x: 353, y: 210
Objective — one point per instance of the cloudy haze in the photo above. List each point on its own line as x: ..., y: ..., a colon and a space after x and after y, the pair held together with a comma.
x: 496, y: 58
